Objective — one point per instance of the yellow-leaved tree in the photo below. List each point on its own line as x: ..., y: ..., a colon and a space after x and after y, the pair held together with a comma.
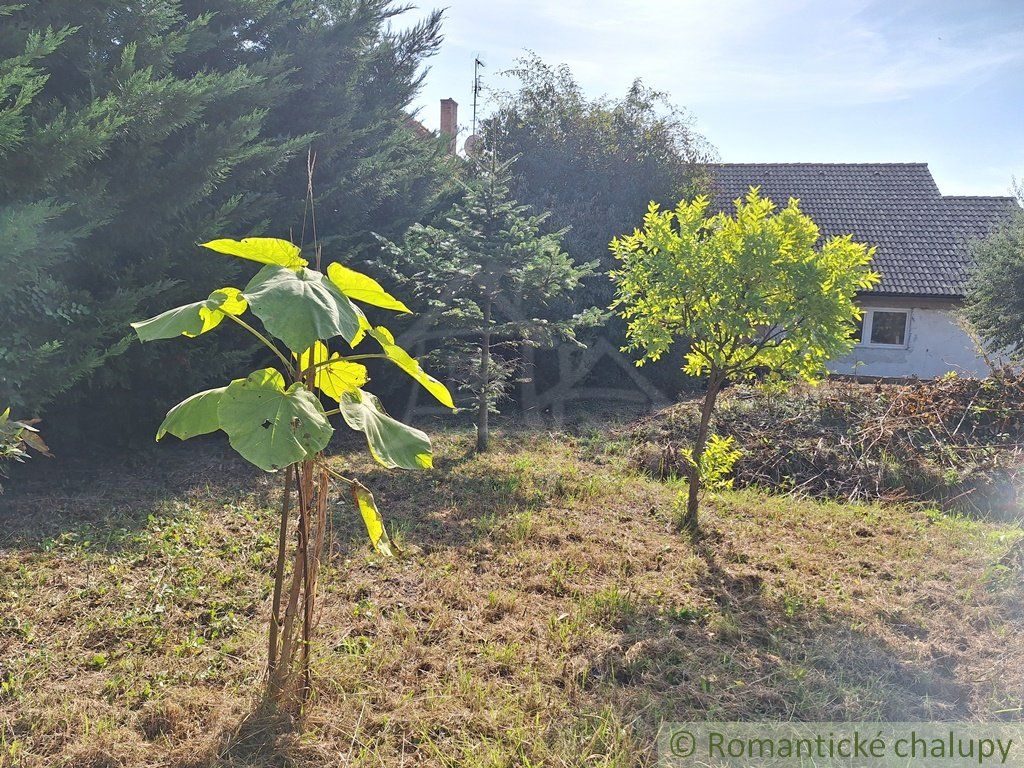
x: 753, y: 292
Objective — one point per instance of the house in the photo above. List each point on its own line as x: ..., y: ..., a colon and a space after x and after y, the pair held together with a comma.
x: 910, y: 325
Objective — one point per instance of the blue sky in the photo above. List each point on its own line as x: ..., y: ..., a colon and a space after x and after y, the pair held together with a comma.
x: 938, y: 81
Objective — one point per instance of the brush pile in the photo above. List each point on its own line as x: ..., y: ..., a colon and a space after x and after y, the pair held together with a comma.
x: 956, y: 442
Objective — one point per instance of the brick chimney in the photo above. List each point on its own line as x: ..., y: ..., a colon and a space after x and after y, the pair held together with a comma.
x: 450, y: 121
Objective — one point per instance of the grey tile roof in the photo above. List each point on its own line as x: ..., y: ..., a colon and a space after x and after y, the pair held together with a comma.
x: 921, y: 236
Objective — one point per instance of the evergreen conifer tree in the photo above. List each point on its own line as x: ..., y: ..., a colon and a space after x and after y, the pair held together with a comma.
x: 131, y: 132
x: 486, y: 277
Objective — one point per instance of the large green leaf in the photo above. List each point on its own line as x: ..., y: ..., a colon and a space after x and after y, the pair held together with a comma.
x: 271, y: 426
x: 391, y: 442
x: 410, y: 365
x: 265, y: 250
x: 301, y: 307
x: 192, y: 319
x: 364, y: 288
x: 333, y: 374
x: 373, y: 519
x: 195, y: 415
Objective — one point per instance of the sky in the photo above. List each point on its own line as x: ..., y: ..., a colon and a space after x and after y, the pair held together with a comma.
x: 939, y: 81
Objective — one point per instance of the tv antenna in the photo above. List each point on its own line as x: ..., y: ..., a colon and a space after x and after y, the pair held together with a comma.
x: 477, y: 87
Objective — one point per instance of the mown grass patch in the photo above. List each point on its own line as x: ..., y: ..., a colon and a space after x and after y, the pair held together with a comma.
x: 545, y: 612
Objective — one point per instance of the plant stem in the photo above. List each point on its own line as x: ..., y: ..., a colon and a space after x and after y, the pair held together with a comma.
x: 314, y: 557
x: 282, y: 545
x: 365, y: 357
x: 280, y: 683
x: 351, y: 358
x: 307, y: 598
x: 339, y: 476
x: 267, y: 343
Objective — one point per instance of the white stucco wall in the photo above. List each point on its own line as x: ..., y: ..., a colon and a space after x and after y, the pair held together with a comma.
x: 936, y: 345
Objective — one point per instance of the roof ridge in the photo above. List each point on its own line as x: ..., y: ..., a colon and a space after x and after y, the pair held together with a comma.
x: 910, y: 164
x: 978, y: 197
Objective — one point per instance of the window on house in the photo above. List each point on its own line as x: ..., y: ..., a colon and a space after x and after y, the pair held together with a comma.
x: 889, y: 327
x: 882, y: 328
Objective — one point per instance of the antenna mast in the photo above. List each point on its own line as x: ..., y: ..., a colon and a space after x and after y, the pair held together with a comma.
x: 477, y: 86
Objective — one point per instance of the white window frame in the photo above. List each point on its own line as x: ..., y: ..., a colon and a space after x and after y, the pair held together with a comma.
x: 869, y: 321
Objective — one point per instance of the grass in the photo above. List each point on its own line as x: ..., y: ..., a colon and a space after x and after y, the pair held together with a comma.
x: 545, y: 612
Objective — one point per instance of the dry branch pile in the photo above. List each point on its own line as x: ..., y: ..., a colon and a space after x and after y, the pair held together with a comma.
x: 956, y: 442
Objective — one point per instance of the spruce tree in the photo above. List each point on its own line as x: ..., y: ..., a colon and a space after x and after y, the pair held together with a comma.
x: 486, y: 278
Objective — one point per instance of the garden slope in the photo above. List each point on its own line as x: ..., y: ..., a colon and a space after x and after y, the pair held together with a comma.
x: 544, y: 613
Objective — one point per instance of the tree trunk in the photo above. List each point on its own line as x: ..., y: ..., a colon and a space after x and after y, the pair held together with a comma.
x: 714, y: 384
x: 483, y: 410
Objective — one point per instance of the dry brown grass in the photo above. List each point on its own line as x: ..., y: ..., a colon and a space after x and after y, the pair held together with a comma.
x: 955, y: 442
x: 545, y: 613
